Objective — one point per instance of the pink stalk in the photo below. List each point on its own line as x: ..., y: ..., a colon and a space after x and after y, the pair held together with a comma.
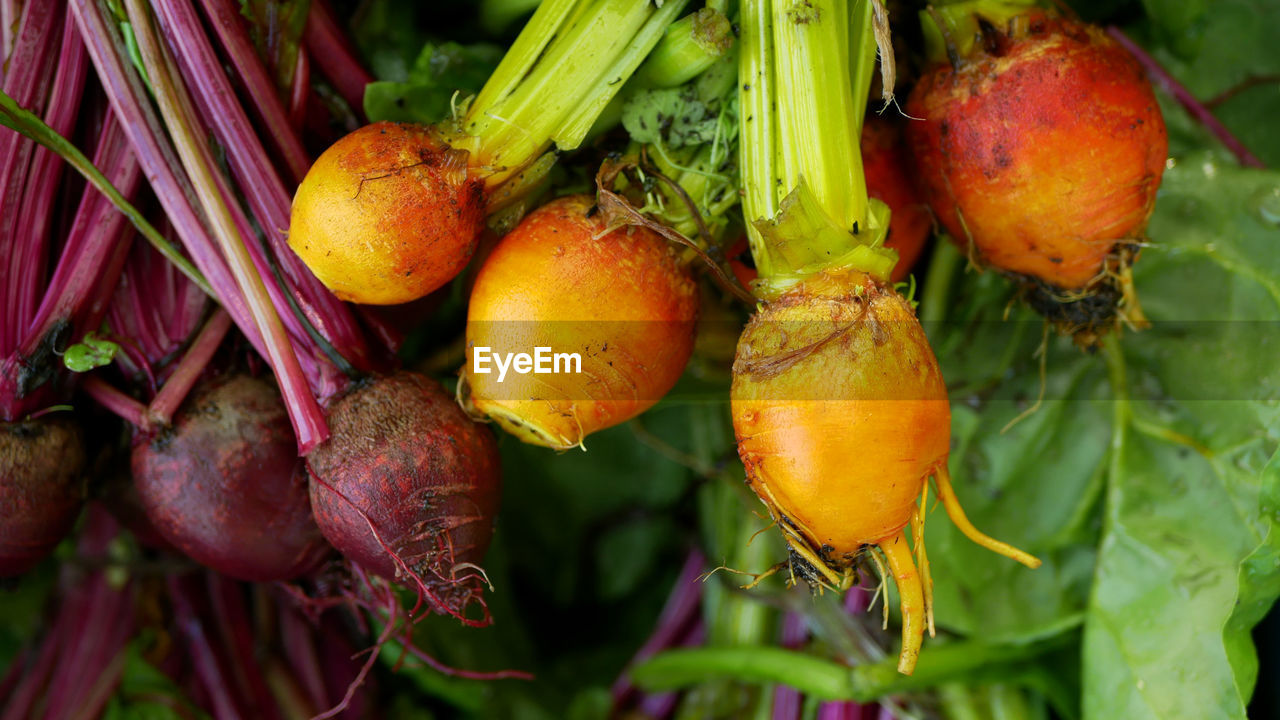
x: 1194, y: 108
x: 300, y: 650
x: 662, y: 705
x: 259, y: 320
x: 261, y: 185
x: 9, y: 11
x: 138, y: 315
x: 301, y: 91
x: 334, y: 55
x: 46, y: 167
x: 130, y: 102
x: 678, y: 614
x: 234, y: 628
x: 225, y: 18
x: 189, y: 368
x: 27, y: 82
x: 94, y: 231
x: 123, y: 406
x: 210, y: 673
x: 19, y: 705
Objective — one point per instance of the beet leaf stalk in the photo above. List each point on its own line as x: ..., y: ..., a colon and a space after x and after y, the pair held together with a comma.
x: 185, y: 180
x: 801, y: 104
x: 564, y: 68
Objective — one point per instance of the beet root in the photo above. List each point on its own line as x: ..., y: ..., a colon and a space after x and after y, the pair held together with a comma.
x: 226, y: 487
x: 41, y: 463
x: 407, y: 487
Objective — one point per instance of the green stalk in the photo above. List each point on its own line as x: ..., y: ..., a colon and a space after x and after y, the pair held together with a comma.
x: 559, y: 75
x: 689, y: 46
x: 952, y: 30
x: 965, y: 661
x: 805, y: 71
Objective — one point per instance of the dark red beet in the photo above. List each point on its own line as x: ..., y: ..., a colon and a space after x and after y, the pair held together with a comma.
x: 404, y: 459
x: 225, y: 485
x: 41, y: 462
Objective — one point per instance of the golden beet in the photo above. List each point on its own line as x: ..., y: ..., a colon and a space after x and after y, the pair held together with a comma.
x: 387, y: 214
x: 619, y: 299
x: 1042, y: 152
x: 841, y: 417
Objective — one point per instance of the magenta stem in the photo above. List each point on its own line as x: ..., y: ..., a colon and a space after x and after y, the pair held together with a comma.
x: 125, y: 407
x: 212, y: 678
x: 300, y: 650
x: 226, y: 598
x: 130, y: 101
x: 30, y: 72
x: 175, y: 105
x: 1194, y: 108
x: 189, y: 369
x: 33, y: 225
x: 92, y: 241
x: 334, y: 56
x: 228, y: 23
x: 261, y: 185
x: 9, y: 12
x: 678, y: 614
x: 301, y: 90
x: 18, y: 706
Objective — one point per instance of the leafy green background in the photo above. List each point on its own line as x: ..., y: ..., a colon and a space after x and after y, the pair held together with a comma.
x: 1148, y: 479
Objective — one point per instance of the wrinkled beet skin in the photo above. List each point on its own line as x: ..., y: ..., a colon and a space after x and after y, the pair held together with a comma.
x: 426, y: 476
x: 41, y: 462
x: 226, y: 487
x: 1050, y: 148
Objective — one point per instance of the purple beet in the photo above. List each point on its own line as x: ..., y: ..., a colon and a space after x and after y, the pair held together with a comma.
x: 225, y: 485
x: 41, y: 489
x: 405, y: 461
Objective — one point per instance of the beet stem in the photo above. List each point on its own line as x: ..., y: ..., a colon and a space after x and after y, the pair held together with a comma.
x: 301, y: 91
x: 189, y: 369
x: 149, y: 139
x: 128, y: 409
x: 1194, y: 108
x: 334, y: 56
x: 680, y: 609
x: 202, y: 655
x: 30, y: 73
x: 228, y: 23
x: 34, y: 220
x: 175, y: 106
x: 91, y: 242
x: 261, y: 184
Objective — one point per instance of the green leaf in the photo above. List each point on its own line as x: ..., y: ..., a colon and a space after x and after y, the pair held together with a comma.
x: 443, y: 75
x: 1188, y: 558
x: 1213, y: 47
x: 1033, y: 484
x: 91, y: 352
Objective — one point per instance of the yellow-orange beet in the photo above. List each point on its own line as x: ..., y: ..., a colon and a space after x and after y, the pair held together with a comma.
x: 387, y: 214
x: 1042, y: 152
x: 562, y: 279
x: 841, y: 417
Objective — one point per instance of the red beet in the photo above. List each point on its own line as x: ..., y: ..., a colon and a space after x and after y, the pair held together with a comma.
x: 41, y: 462
x: 225, y: 485
x: 406, y: 462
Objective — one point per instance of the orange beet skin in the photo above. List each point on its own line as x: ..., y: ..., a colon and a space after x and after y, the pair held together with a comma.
x: 620, y: 299
x: 387, y: 214
x: 1045, y: 150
